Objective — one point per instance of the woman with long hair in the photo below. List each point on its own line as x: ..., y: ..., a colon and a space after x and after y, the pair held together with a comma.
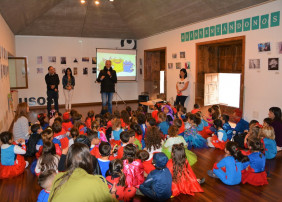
x: 68, y: 85
x: 182, y: 87
x: 275, y: 115
x: 21, y: 125
x: 77, y: 183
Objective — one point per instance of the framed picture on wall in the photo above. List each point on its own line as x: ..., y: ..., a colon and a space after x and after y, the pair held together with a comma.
x: 75, y: 60
x: 52, y: 59
x: 63, y: 60
x: 273, y: 63
x: 39, y: 60
x: 94, y: 60
x: 187, y: 65
x: 85, y: 71
x: 170, y: 65
x: 85, y: 59
x: 264, y: 47
x: 254, y: 63
x: 174, y: 55
x: 182, y: 54
x: 279, y: 44
x: 94, y: 70
x: 178, y: 65
x: 75, y: 71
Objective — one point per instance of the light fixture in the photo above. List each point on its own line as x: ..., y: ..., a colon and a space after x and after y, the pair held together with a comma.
x: 82, y: 1
x: 97, y: 2
x: 111, y: 0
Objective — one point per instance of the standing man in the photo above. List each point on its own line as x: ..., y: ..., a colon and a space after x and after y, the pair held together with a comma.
x: 107, y: 77
x: 52, y: 81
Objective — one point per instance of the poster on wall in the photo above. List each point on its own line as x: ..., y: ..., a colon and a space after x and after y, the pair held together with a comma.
x: 39, y: 60
x: 94, y: 70
x: 187, y: 65
x: 264, y: 47
x: 63, y: 70
x: 39, y: 70
x: 75, y: 71
x: 182, y: 54
x: 85, y: 71
x: 273, y: 63
x: 254, y: 63
x: 85, y: 59
x: 279, y: 45
x: 52, y: 59
x: 178, y: 65
x: 94, y: 60
x: 63, y: 60
x: 174, y: 55
x: 170, y: 65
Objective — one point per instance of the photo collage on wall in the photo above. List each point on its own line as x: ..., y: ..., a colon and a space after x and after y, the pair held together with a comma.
x: 270, y: 49
x: 4, y: 68
x: 67, y: 62
x: 179, y: 64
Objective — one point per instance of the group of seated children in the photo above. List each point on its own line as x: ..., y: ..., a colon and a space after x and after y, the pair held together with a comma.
x: 143, y: 153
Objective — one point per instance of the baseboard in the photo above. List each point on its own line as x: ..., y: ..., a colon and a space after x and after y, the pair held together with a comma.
x: 85, y: 104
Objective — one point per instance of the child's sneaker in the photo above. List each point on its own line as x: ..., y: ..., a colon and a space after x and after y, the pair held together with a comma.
x: 26, y: 164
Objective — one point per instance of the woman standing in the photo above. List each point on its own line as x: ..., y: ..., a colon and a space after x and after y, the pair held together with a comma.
x: 275, y: 115
x: 68, y: 85
x: 21, y: 127
x: 182, y: 88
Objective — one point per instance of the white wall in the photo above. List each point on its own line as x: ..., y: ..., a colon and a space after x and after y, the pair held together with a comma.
x: 7, y: 40
x: 86, y: 91
x: 262, y: 88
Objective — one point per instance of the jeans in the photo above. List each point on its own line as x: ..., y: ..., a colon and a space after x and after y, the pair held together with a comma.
x: 181, y: 100
x: 52, y: 95
x: 107, y: 98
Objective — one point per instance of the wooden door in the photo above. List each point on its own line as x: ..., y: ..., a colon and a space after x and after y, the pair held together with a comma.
x: 152, y: 73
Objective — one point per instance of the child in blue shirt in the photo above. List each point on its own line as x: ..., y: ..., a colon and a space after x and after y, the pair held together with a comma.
x: 104, y: 162
x: 45, y: 180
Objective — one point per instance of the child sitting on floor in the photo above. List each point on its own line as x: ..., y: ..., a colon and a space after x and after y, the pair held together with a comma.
x: 133, y: 168
x: 116, y: 130
x: 60, y: 134
x: 219, y: 139
x: 191, y: 136
x: 116, y: 177
x: 163, y: 125
x: 67, y: 124
x: 48, y: 160
x: 267, y: 135
x: 45, y: 180
x: 226, y: 126
x: 229, y: 169
x: 12, y: 161
x: 105, y: 152
x: 184, y: 180
x: 143, y: 155
x: 174, y: 138
x: 254, y: 173
x: 34, y: 137
x: 158, y: 183
x: 89, y: 119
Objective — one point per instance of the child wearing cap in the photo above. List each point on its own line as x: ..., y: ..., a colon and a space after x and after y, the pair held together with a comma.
x: 157, y: 186
x: 67, y: 124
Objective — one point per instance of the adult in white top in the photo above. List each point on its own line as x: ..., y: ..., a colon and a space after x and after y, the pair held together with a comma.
x: 182, y: 88
x: 21, y: 127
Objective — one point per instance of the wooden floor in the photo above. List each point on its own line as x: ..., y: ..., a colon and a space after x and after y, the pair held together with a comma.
x: 25, y: 187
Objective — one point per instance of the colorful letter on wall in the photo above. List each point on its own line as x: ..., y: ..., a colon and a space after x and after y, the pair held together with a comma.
x: 201, y: 33
x: 255, y: 22
x: 247, y: 24
x: 239, y: 26
x: 212, y: 30
x: 218, y: 30
x: 182, y: 37
x: 231, y: 27
x: 275, y: 19
x: 187, y: 36
x: 207, y: 32
x: 196, y: 34
x: 224, y: 28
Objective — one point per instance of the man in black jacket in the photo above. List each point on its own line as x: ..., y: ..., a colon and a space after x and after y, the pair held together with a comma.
x: 107, y: 77
x: 52, y: 81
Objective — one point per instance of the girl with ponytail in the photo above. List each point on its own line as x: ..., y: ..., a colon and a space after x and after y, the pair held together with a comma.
x: 254, y: 173
x: 115, y: 176
x: 228, y: 170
